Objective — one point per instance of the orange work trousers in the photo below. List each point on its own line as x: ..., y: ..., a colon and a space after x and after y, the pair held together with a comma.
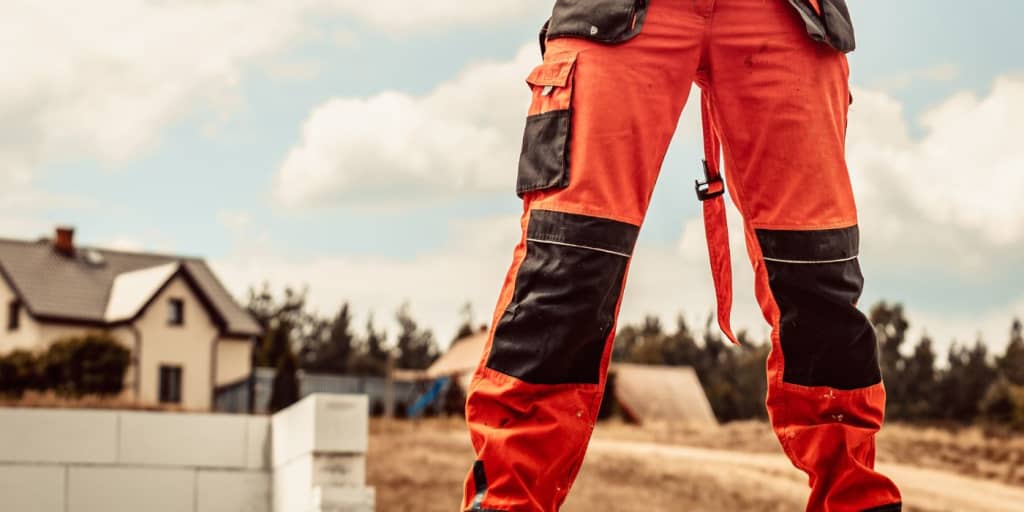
x: 606, y: 101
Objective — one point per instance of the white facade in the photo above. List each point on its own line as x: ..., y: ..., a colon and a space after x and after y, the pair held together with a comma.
x: 205, y: 358
x: 124, y: 461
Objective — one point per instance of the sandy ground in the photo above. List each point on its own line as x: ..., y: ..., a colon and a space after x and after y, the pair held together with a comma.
x: 735, y: 468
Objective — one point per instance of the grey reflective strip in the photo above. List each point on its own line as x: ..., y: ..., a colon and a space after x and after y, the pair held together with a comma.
x: 624, y: 255
x: 810, y: 262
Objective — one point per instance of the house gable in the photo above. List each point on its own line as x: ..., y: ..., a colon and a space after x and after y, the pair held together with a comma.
x: 187, y: 346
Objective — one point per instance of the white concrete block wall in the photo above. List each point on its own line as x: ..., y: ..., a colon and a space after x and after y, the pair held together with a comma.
x: 257, y: 455
x: 292, y: 485
x: 321, y: 423
x: 332, y: 458
x: 199, y: 440
x: 344, y: 499
x: 233, y: 491
x: 124, y: 489
x: 25, y: 488
x: 113, y: 461
x: 339, y: 470
x: 292, y: 432
x: 298, y: 481
x: 58, y: 435
x: 342, y: 424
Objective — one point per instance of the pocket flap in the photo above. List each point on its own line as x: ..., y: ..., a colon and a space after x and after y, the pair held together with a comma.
x: 554, y: 71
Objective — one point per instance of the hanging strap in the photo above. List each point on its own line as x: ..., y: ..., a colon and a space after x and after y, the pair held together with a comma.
x: 710, y: 192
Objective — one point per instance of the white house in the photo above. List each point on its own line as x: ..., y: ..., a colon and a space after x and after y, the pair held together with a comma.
x: 187, y: 335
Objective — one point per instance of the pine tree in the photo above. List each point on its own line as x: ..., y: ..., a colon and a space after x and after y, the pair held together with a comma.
x: 466, y: 327
x: 285, y: 389
x: 1011, y: 364
x: 416, y: 347
x: 648, y: 343
x: 372, y: 357
x: 920, y: 384
x: 328, y: 348
x: 891, y: 329
x: 681, y: 347
x: 965, y: 381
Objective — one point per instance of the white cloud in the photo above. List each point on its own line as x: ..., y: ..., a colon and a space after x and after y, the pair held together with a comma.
x: 943, y: 212
x: 958, y: 188
x: 402, y: 16
x: 939, y: 73
x: 392, y: 147
x: 102, y: 80
x: 435, y: 283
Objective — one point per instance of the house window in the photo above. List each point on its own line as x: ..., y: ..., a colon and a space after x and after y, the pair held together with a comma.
x: 13, y: 315
x: 176, y: 312
x: 170, y: 384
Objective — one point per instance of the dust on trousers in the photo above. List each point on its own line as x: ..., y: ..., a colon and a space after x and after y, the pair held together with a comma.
x: 606, y: 100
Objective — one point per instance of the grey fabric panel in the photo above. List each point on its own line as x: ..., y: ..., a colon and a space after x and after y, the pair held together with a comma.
x: 816, y: 282
x: 838, y: 25
x: 562, y: 311
x: 815, y: 27
x: 606, y: 21
x: 544, y: 159
x: 833, y: 27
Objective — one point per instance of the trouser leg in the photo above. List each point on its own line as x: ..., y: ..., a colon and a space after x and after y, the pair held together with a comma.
x: 601, y: 119
x: 779, y: 102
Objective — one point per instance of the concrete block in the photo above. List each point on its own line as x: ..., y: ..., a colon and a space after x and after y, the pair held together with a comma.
x: 32, y: 488
x: 131, y: 489
x: 320, y: 423
x: 258, y: 448
x: 293, y: 485
x: 344, y: 499
x: 339, y: 470
x: 172, y: 439
x: 295, y: 482
x: 233, y: 491
x: 58, y: 435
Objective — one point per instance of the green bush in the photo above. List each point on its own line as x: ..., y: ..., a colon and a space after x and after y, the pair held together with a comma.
x: 1004, y: 404
x: 93, y: 364
x: 17, y: 373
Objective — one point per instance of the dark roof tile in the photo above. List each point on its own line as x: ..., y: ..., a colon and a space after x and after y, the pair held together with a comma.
x: 72, y: 287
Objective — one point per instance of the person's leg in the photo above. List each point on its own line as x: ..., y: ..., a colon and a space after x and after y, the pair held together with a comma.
x: 779, y: 101
x: 604, y: 113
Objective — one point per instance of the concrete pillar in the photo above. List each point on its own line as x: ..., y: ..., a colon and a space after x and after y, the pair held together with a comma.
x: 319, y: 455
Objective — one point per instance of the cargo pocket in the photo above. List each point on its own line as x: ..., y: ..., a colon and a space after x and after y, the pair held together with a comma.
x: 605, y: 21
x: 562, y: 311
x: 544, y: 159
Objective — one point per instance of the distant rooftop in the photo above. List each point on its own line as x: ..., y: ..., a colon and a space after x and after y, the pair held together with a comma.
x: 57, y: 281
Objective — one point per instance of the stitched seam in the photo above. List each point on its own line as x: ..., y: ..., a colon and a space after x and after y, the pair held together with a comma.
x: 809, y: 262
x: 598, y: 249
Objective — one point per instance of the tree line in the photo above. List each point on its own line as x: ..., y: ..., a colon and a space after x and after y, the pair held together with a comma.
x: 967, y: 385
x: 971, y: 385
x: 295, y: 337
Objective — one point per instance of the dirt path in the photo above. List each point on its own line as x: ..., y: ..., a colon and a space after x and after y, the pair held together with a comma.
x: 422, y: 468
x: 923, y: 489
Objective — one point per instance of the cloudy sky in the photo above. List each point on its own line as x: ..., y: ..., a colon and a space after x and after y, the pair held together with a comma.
x: 368, y: 149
